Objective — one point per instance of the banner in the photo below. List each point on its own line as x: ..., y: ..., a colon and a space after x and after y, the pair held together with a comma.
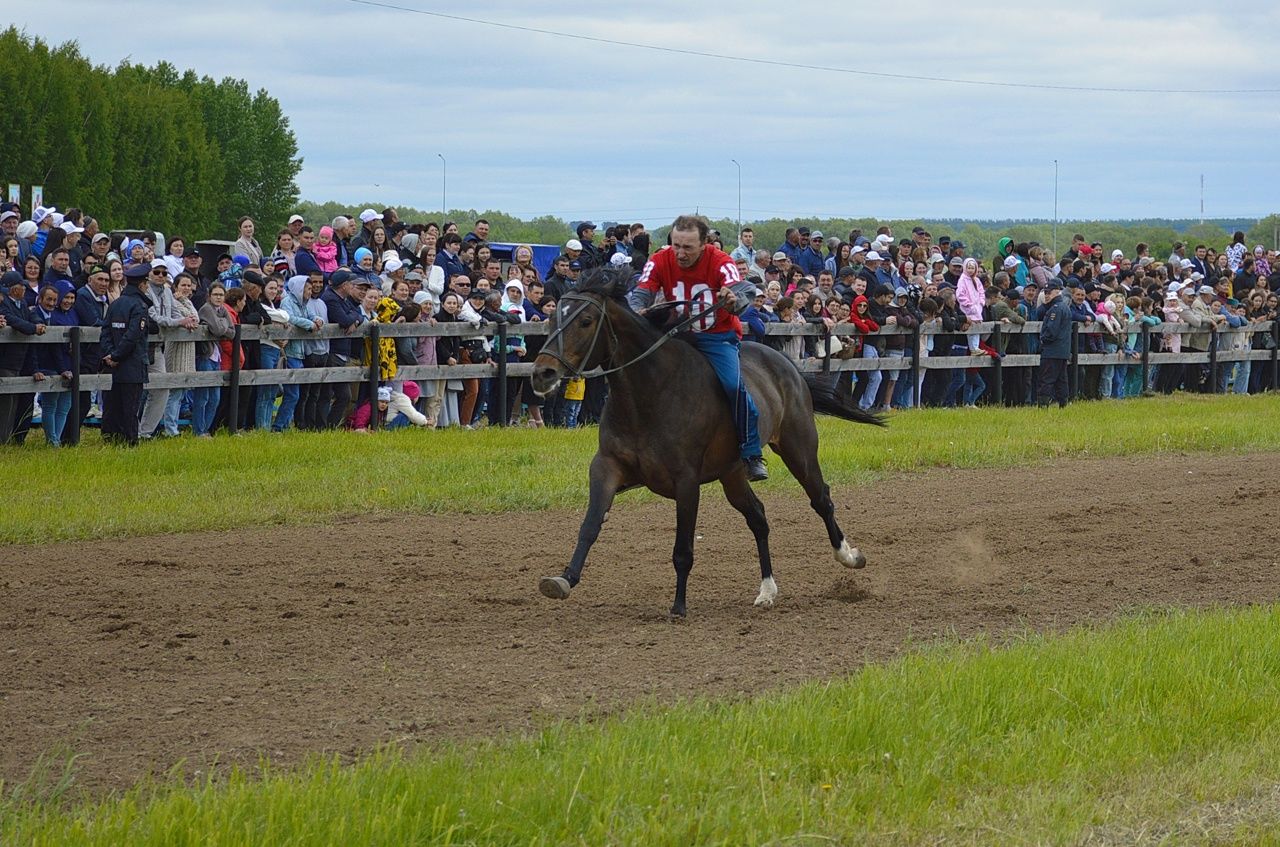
x: 37, y: 197
x: 15, y: 193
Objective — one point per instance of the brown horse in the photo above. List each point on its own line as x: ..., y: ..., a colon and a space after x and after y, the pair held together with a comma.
x: 668, y: 427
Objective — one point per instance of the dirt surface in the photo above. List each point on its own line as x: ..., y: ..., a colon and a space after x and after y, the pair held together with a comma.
x: 221, y: 646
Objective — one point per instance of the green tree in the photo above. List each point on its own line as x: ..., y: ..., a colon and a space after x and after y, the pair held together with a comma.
x: 143, y: 146
x: 1266, y: 232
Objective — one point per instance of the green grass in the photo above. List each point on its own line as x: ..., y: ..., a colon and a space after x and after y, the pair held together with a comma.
x: 1164, y: 722
x: 261, y: 479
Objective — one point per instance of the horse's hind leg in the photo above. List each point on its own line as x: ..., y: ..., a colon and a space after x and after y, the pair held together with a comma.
x: 799, y: 452
x: 604, y: 478
x: 739, y: 494
x: 682, y: 555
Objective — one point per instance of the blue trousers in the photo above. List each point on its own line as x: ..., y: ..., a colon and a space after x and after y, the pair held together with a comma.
x: 721, y: 350
x: 205, y: 401
x: 290, y: 395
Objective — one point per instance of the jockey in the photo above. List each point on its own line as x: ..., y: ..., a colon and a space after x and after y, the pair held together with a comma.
x: 691, y: 269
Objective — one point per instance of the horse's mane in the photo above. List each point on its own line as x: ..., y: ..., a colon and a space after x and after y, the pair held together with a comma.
x: 609, y: 282
x: 613, y: 284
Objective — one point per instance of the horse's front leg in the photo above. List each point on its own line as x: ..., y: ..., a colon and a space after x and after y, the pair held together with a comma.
x: 605, y: 479
x: 687, y: 495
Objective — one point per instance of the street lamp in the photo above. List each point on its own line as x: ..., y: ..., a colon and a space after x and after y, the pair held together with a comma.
x: 444, y: 187
x: 735, y: 161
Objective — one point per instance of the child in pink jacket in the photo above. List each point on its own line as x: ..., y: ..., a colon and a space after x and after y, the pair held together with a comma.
x: 325, y: 249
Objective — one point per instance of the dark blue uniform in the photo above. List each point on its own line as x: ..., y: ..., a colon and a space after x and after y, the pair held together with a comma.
x: 1055, y: 351
x: 16, y: 359
x: 124, y: 340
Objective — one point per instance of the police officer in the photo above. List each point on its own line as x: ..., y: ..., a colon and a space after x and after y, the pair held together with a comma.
x: 124, y: 356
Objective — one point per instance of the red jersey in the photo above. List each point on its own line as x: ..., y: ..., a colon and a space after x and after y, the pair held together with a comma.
x: 700, y: 283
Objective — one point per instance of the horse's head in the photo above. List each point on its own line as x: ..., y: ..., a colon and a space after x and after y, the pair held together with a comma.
x: 581, y: 336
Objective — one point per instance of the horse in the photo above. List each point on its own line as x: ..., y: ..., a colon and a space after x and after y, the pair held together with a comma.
x: 668, y: 426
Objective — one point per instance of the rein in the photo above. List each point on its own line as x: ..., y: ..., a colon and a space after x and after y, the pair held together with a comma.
x: 587, y: 300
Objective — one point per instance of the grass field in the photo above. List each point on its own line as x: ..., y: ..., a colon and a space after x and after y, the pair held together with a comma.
x: 262, y: 479
x: 1161, y: 726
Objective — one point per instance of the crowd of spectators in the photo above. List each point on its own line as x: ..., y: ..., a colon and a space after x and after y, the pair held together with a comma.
x: 59, y: 269
x: 873, y: 280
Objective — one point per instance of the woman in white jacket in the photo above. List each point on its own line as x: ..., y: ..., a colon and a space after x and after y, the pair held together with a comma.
x: 472, y: 345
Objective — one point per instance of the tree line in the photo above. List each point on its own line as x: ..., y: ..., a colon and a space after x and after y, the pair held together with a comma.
x: 140, y: 146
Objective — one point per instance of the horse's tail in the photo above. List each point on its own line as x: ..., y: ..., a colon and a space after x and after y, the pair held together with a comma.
x: 826, y: 401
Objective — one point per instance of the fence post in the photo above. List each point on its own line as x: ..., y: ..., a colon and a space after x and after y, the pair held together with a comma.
x: 71, y: 433
x: 826, y: 360
x: 1146, y: 358
x: 999, y: 367
x: 233, y: 401
x: 375, y: 358
x: 1074, y: 372
x: 1213, y: 361
x: 915, y: 366
x: 501, y: 357
x: 1275, y: 353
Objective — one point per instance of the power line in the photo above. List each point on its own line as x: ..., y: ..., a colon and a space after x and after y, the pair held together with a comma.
x: 755, y: 60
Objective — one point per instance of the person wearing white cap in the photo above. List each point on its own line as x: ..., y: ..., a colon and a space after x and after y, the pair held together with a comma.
x: 163, y: 312
x: 1169, y: 374
x: 43, y: 219
x: 1117, y: 255
x: 573, y: 249
x: 393, y: 272
x: 295, y: 224
x: 369, y: 221
x: 1200, y: 318
x: 26, y: 233
x: 9, y: 224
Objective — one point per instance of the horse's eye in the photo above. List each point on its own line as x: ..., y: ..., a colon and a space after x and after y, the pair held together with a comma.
x: 585, y: 320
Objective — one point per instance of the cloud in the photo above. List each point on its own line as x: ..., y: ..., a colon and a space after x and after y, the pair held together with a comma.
x: 535, y: 124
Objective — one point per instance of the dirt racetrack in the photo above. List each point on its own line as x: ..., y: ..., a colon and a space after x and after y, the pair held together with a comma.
x: 220, y: 646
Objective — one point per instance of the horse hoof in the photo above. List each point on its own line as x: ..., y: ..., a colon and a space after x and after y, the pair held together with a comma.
x: 850, y: 557
x: 555, y: 587
x: 677, y: 614
x: 768, y: 593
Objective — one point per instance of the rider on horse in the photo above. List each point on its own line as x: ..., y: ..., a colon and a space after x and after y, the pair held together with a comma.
x: 695, y: 271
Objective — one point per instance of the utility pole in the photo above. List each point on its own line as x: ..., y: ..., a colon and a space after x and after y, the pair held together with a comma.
x: 735, y: 161
x: 1201, y: 199
x: 444, y: 187
x: 1055, y: 207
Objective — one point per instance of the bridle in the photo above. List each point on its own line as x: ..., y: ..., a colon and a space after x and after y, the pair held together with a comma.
x: 554, y: 345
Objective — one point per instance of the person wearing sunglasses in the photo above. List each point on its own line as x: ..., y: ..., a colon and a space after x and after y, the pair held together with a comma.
x: 162, y: 312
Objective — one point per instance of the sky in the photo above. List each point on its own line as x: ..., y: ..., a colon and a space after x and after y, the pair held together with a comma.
x: 533, y: 123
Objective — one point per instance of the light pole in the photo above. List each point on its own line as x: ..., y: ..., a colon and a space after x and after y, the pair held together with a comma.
x: 735, y: 161
x: 1055, y: 207
x: 444, y: 187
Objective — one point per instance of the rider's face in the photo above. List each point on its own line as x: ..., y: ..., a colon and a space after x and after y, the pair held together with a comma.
x: 688, y: 246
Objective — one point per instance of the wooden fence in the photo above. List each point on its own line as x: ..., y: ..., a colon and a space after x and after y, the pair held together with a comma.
x: 1218, y: 354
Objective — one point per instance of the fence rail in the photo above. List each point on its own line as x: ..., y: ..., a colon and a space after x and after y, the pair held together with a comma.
x: 235, y: 378
x: 81, y: 381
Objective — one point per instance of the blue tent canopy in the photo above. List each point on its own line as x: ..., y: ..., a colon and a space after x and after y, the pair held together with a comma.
x: 544, y: 255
